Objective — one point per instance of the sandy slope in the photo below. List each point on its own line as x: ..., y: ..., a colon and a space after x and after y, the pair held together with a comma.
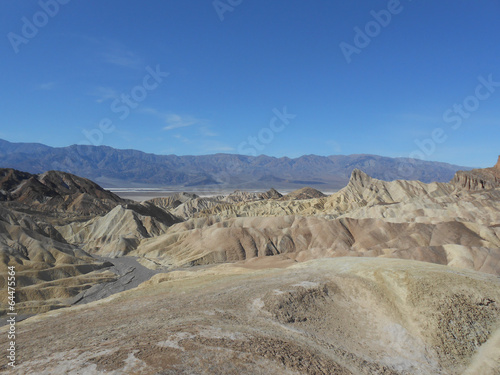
x: 120, y: 230
x: 208, y: 241
x: 328, y: 316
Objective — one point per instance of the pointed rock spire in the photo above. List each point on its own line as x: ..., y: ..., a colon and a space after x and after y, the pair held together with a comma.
x: 359, y: 177
x: 497, y: 165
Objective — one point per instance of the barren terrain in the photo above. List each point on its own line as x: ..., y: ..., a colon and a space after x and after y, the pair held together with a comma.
x: 380, y: 277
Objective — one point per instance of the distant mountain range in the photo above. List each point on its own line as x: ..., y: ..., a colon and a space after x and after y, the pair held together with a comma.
x: 131, y: 168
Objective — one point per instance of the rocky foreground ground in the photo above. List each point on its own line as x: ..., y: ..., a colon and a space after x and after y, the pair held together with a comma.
x: 381, y: 277
x: 328, y: 316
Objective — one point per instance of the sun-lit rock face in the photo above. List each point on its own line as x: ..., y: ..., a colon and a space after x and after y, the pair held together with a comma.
x: 120, y: 231
x: 55, y: 191
x: 479, y: 179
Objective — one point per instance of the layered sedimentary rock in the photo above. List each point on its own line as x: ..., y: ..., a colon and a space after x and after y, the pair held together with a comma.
x: 364, y: 192
x: 243, y: 196
x: 209, y: 241
x: 49, y: 271
x: 55, y: 191
x: 120, y: 231
x: 303, y: 193
x: 173, y: 201
x: 479, y: 179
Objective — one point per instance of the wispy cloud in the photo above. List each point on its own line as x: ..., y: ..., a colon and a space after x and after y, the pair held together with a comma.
x: 46, y: 86
x: 182, y: 138
x: 418, y: 117
x: 113, y: 52
x: 168, y: 151
x: 104, y: 93
x: 174, y: 120
x: 334, y: 145
x: 151, y: 111
x: 123, y: 58
x: 207, y: 132
x: 216, y: 146
x: 221, y: 149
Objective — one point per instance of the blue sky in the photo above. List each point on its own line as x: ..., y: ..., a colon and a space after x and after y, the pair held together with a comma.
x: 281, y: 78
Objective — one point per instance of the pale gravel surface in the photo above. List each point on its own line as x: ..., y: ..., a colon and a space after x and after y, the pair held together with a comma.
x: 130, y: 274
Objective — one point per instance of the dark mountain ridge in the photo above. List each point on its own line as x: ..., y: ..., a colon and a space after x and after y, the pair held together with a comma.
x: 131, y: 168
x: 55, y: 191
